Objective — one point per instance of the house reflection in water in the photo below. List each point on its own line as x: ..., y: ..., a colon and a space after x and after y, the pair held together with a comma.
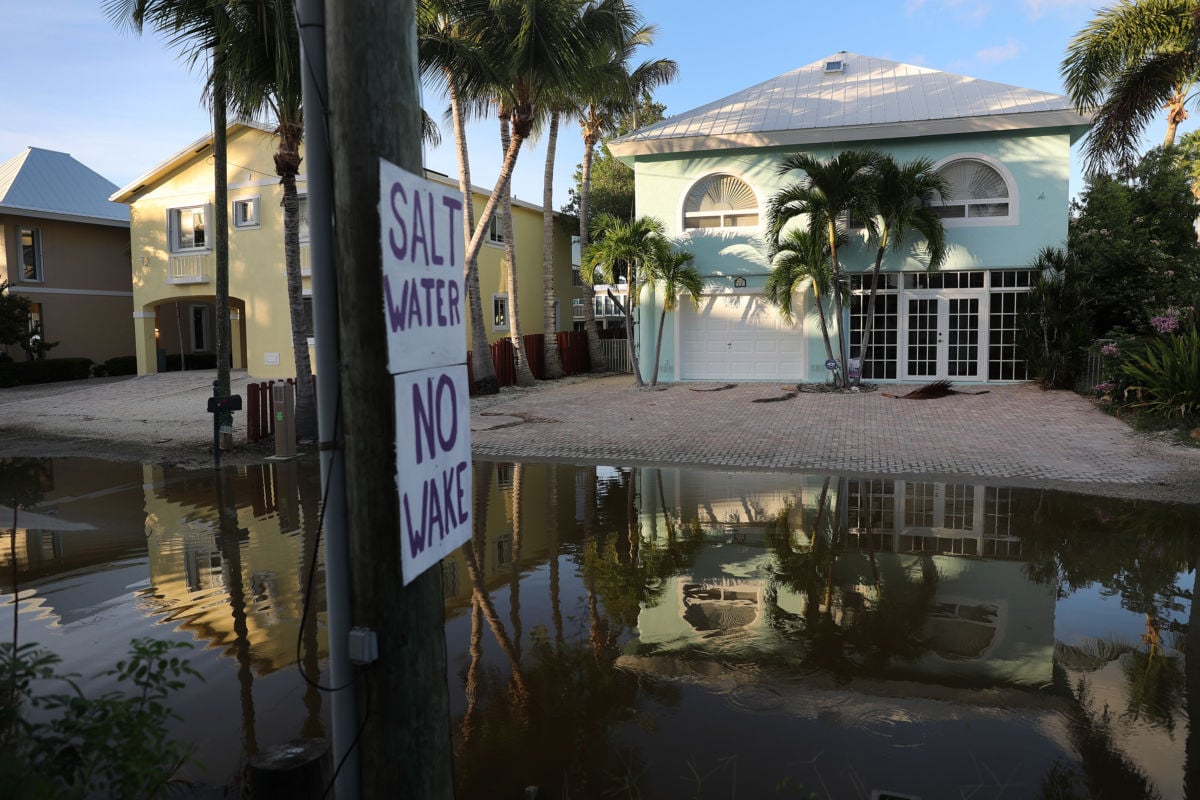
x: 253, y: 550
x: 939, y: 559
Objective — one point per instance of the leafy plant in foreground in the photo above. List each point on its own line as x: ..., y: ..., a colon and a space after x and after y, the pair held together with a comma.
x: 113, y: 745
x: 1165, y: 375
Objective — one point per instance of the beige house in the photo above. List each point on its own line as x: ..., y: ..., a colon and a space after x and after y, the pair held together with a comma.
x: 65, y: 247
x: 174, y: 264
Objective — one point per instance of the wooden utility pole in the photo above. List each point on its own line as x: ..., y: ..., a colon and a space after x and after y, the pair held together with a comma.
x: 405, y: 747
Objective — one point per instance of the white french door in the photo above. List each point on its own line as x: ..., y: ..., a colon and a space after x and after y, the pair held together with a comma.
x: 945, y: 337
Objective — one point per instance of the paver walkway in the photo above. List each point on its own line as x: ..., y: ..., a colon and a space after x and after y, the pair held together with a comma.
x: 1017, y: 433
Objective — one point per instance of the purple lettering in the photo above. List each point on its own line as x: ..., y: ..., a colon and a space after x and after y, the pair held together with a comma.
x: 429, y: 284
x: 433, y: 510
x: 433, y: 237
x: 458, y: 482
x: 414, y: 304
x: 423, y: 417
x: 448, y: 498
x: 416, y: 538
x: 398, y: 250
x: 445, y: 383
x: 441, y: 302
x: 455, y: 304
x: 395, y: 313
x: 452, y: 205
x: 418, y: 234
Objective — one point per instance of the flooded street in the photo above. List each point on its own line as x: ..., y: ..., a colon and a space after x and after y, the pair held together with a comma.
x: 661, y: 633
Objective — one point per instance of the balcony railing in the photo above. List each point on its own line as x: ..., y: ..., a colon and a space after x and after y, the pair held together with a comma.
x: 189, y: 268
x: 305, y: 261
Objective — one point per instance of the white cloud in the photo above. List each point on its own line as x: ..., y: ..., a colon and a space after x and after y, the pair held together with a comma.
x: 999, y: 53
x: 1037, y: 8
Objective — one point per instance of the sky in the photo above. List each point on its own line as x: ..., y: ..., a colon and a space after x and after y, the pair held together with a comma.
x: 123, y: 103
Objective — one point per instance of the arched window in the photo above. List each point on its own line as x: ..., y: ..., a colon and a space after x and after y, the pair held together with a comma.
x: 977, y: 191
x: 720, y: 201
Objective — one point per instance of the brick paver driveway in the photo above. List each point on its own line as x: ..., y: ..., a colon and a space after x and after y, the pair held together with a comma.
x: 1016, y: 434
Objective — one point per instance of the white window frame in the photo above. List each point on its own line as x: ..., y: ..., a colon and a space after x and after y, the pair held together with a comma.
x: 242, y: 220
x: 205, y: 324
x: 302, y: 211
x: 1013, y: 216
x: 306, y: 299
x: 495, y: 232
x: 35, y: 244
x: 721, y: 215
x: 174, y: 228
x: 500, y: 318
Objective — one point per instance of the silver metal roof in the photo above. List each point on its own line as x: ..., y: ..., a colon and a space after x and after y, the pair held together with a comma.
x: 867, y: 98
x: 49, y: 184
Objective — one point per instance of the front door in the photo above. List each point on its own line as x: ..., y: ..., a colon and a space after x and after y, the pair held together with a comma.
x: 943, y: 338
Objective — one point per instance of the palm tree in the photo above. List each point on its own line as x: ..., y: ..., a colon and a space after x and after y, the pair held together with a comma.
x: 195, y: 28
x: 450, y: 56
x: 1132, y: 60
x: 614, y: 90
x: 629, y: 244
x: 797, y: 259
x: 674, y: 269
x: 262, y: 52
x: 904, y: 197
x: 829, y: 193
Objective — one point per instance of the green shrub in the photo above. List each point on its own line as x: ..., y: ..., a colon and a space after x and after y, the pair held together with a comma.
x: 8, y: 374
x: 49, y: 370
x: 114, y: 745
x: 1164, y: 378
x: 121, y: 365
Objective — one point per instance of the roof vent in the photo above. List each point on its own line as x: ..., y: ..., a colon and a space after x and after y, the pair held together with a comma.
x: 835, y: 66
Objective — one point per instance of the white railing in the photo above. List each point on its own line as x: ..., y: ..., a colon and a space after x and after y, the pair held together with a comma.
x: 191, y: 268
x: 616, y: 354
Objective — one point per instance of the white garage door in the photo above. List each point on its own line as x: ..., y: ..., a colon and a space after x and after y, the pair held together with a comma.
x: 739, y: 338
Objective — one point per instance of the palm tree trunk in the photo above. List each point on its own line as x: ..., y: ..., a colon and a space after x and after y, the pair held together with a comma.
x: 524, y: 374
x: 595, y: 353
x: 220, y: 101
x: 552, y: 362
x: 840, y: 375
x: 869, y: 318
x: 662, y: 320
x: 1176, y: 113
x: 629, y: 333
x: 287, y: 165
x: 824, y: 323
x: 482, y: 368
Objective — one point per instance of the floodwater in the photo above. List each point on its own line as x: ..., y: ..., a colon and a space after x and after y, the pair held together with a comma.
x: 661, y: 633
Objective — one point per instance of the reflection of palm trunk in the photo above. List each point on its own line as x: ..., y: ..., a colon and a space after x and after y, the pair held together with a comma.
x: 473, y: 556
x: 310, y: 493
x: 1191, y: 664
x: 231, y: 555
x: 514, y: 590
x: 489, y: 612
x: 631, y: 518
x: 552, y: 516
x: 476, y: 666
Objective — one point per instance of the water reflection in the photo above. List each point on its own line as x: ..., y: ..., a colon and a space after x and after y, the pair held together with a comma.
x: 665, y: 632
x: 690, y: 633
x: 219, y: 559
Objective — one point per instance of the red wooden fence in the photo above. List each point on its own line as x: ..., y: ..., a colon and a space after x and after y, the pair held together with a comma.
x: 572, y: 351
x: 260, y: 422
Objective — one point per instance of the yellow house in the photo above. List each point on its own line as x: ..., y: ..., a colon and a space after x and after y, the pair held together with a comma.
x: 174, y: 264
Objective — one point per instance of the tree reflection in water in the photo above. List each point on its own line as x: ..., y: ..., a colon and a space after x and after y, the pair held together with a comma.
x: 847, y: 584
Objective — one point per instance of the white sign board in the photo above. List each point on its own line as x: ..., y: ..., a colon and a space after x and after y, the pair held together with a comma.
x: 433, y: 465
x: 421, y: 223
x: 421, y: 230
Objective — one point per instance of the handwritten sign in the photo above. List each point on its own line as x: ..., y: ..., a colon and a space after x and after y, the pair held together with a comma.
x: 421, y: 231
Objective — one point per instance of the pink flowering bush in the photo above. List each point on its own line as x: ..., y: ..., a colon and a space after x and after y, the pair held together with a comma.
x: 1167, y: 321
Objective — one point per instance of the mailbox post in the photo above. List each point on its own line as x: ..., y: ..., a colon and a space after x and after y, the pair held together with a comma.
x: 283, y: 408
x: 219, y: 406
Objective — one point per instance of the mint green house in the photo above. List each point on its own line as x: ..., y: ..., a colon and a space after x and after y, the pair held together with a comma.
x: 708, y: 173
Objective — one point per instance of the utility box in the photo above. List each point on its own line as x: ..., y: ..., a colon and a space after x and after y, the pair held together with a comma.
x: 283, y: 409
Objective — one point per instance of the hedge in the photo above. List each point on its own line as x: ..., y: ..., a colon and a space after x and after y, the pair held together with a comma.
x: 44, y: 370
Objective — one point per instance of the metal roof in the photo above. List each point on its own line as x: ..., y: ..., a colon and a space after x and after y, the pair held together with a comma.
x: 52, y: 185
x: 867, y: 98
